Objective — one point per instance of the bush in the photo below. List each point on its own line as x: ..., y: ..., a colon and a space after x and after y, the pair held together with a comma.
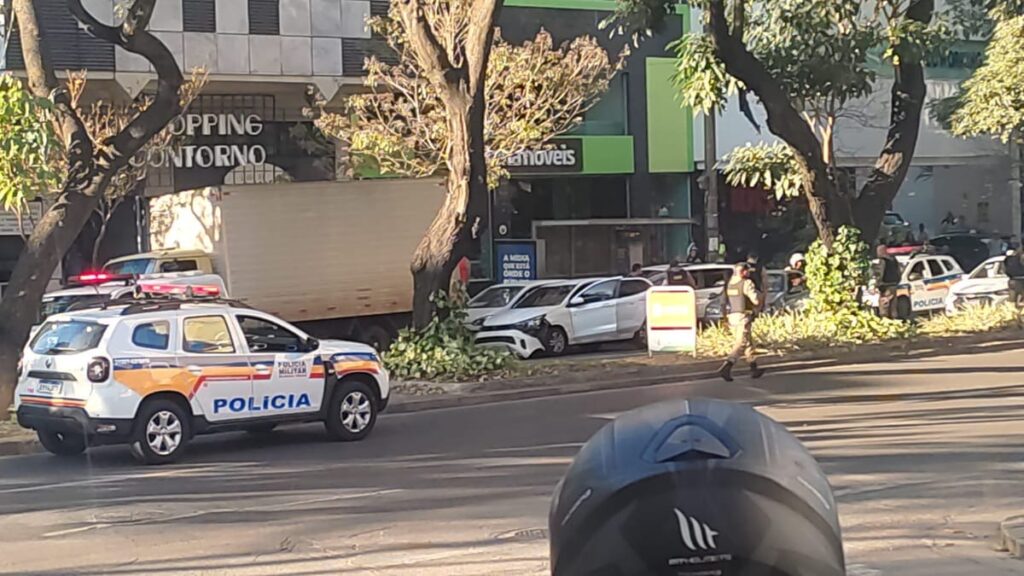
x: 444, y: 349
x: 972, y: 319
x: 806, y: 329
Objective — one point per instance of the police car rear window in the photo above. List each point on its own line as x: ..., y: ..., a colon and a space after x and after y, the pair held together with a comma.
x: 67, y: 337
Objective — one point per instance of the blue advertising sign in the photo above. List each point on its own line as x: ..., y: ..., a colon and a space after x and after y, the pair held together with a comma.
x: 516, y: 261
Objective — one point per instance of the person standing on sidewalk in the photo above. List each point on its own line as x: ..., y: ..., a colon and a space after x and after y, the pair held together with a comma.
x: 743, y: 300
x: 1014, y: 268
x: 887, y: 279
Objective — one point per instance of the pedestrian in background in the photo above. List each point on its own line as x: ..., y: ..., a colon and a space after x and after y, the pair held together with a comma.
x: 922, y: 234
x: 693, y: 255
x: 636, y: 271
x: 743, y: 300
x: 887, y: 278
x: 1014, y: 268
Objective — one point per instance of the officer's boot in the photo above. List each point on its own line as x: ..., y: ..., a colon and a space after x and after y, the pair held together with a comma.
x: 726, y: 371
x: 755, y: 371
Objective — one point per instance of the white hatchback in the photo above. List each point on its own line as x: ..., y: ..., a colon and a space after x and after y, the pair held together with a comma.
x: 555, y: 316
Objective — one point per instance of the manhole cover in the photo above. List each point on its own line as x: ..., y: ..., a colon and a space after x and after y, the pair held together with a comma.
x: 525, y: 535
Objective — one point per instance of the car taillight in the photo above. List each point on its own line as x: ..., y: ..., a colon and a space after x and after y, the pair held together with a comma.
x: 98, y: 370
x: 21, y: 367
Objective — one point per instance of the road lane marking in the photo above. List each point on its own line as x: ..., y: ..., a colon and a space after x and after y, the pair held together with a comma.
x: 197, y: 513
x: 102, y: 480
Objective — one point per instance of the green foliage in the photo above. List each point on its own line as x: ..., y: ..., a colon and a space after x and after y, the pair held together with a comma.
x: 700, y: 76
x: 973, y: 319
x: 992, y: 102
x: 769, y: 166
x: 806, y: 330
x: 817, y: 49
x: 444, y: 349
x: 29, y: 165
x: 834, y: 275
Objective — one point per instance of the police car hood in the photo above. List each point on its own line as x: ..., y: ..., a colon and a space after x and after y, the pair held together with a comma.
x: 517, y: 315
x: 338, y: 346
x: 980, y: 286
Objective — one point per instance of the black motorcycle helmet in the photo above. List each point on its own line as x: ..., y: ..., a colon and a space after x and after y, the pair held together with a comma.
x: 697, y: 488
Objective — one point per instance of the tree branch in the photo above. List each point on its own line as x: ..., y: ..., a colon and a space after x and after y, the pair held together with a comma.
x: 428, y: 50
x: 133, y: 37
x: 482, y: 16
x: 908, y: 95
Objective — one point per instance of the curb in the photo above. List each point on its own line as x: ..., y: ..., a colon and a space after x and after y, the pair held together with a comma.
x: 1011, y: 536
x: 19, y: 446
x: 580, y: 383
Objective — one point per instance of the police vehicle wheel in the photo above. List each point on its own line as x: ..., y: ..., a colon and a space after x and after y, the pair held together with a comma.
x: 61, y: 443
x: 555, y: 341
x: 162, y: 430
x: 352, y: 411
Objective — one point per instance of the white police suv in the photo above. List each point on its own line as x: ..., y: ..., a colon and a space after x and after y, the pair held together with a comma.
x: 154, y: 372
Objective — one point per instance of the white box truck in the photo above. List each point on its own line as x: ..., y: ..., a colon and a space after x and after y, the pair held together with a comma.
x: 332, y: 257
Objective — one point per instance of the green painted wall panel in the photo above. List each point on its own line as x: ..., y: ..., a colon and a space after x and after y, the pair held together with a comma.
x: 608, y: 155
x: 669, y: 126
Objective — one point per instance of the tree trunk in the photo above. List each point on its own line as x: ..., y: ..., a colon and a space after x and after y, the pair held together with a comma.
x: 908, y: 96
x: 50, y: 240
x: 827, y: 209
x: 454, y: 229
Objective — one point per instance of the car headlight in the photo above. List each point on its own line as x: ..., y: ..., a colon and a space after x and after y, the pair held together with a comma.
x: 530, y: 326
x: 478, y: 322
x: 713, y: 309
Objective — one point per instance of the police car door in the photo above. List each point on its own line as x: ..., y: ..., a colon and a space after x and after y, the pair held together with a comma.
x: 283, y: 380
x: 915, y: 278
x: 219, y: 373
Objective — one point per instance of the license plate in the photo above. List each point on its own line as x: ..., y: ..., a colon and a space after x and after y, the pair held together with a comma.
x: 52, y: 388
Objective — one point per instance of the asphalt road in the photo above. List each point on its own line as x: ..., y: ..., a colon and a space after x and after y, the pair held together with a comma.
x: 924, y: 455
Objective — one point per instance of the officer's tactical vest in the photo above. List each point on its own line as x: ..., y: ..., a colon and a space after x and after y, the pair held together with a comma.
x: 738, y: 301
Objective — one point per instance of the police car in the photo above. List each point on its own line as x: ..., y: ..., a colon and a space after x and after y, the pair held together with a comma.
x: 925, y: 281
x: 155, y: 371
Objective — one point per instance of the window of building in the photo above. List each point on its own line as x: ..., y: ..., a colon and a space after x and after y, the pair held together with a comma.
x: 199, y: 15
x: 264, y: 17
x: 609, y: 116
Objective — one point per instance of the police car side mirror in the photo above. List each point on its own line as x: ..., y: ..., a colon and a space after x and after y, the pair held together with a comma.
x: 311, y: 344
x: 914, y: 277
x: 577, y: 301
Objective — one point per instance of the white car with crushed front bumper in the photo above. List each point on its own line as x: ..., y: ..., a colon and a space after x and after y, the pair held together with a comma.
x: 986, y: 285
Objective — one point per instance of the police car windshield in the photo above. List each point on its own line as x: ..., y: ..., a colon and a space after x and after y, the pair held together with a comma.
x: 67, y: 337
x: 64, y: 303
x: 546, y: 296
x: 495, y: 297
x: 137, y: 266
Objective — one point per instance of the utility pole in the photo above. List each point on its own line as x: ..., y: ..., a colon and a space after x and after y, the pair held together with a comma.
x: 711, y: 185
x: 1015, y: 184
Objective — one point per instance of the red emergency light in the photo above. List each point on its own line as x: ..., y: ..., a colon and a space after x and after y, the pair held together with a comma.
x: 182, y: 289
x: 97, y: 278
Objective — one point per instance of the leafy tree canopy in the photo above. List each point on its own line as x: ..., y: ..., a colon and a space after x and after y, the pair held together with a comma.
x: 992, y: 100
x: 534, y: 92
x: 29, y: 149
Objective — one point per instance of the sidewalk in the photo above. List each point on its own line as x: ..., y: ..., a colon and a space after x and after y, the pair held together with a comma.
x: 596, y: 374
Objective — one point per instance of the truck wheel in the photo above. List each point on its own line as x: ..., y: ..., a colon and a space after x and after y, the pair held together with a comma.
x: 61, y: 443
x: 162, y: 431
x: 351, y: 412
x: 903, y: 308
x: 376, y: 336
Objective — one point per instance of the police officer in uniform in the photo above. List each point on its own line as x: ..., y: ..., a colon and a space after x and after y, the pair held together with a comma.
x: 676, y: 275
x: 743, y: 300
